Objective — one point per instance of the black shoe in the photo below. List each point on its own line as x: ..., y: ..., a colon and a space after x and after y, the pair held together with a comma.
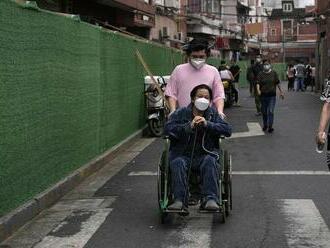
x: 264, y: 128
x: 270, y: 130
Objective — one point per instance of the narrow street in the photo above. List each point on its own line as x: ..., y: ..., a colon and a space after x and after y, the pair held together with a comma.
x: 280, y: 193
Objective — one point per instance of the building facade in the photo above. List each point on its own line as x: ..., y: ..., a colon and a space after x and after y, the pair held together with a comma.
x: 170, y: 23
x: 134, y: 16
x: 291, y: 35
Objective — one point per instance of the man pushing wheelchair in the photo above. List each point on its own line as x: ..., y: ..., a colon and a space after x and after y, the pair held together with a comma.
x: 194, y: 132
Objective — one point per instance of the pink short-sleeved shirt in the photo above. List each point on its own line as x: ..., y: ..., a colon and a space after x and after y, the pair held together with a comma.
x: 185, y: 77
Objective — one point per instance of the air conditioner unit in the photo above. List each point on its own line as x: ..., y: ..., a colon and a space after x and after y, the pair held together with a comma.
x: 159, y: 2
x: 180, y: 36
x: 172, y: 4
x: 165, y: 34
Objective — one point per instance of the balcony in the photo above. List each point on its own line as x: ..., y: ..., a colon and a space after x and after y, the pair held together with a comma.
x: 139, y: 5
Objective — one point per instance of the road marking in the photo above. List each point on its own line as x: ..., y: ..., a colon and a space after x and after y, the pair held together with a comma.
x: 75, y: 230
x: 306, y: 227
x: 142, y: 173
x: 303, y: 173
x: 254, y: 130
x: 195, y: 233
x: 252, y: 173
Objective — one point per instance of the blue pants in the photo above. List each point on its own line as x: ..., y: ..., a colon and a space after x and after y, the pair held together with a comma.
x: 207, y: 168
x: 267, y: 110
x: 300, y: 84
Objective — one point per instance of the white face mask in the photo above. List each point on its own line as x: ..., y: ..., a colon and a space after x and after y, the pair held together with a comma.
x: 202, y: 103
x: 197, y: 63
x: 267, y: 68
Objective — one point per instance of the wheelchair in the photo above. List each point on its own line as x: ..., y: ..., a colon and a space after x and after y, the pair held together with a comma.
x: 165, y: 196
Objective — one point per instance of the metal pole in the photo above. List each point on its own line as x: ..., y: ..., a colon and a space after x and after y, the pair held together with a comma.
x: 283, y: 39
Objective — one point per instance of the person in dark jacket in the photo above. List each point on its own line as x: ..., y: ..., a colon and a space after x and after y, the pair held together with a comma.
x: 196, y: 130
x: 257, y: 68
x: 267, y: 82
x: 250, y: 78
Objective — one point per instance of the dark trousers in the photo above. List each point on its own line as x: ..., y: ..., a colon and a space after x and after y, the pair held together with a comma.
x: 208, y: 169
x: 267, y: 109
x: 291, y: 83
x: 257, y: 99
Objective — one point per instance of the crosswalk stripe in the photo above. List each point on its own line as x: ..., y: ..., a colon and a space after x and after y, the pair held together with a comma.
x: 306, y: 227
x: 254, y: 130
x: 252, y: 173
x: 195, y: 233
x: 77, y: 232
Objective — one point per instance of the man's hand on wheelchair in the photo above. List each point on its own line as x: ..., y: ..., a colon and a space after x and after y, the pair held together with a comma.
x: 198, y: 121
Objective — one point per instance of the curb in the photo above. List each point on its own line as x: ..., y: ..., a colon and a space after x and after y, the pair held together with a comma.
x: 12, y: 221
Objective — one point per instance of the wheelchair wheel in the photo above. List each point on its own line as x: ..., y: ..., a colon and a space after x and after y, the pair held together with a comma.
x: 227, y: 183
x: 162, y: 183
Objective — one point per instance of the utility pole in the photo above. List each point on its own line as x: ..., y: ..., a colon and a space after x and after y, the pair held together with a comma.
x: 283, y: 45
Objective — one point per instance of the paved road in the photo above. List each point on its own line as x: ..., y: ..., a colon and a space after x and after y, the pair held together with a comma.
x: 281, y: 194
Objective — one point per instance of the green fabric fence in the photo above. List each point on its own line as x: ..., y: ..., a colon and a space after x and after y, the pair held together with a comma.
x: 69, y: 91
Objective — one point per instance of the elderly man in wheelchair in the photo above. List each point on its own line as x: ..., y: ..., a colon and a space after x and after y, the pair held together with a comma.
x: 194, y: 132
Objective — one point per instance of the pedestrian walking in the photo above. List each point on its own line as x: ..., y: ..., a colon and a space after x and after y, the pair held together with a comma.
x: 321, y: 136
x: 250, y: 78
x: 187, y: 76
x: 291, y: 76
x: 313, y: 77
x: 267, y: 82
x: 235, y: 70
x: 300, y: 77
x: 257, y: 69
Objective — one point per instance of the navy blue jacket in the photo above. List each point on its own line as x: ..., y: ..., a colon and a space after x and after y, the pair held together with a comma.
x: 179, y: 130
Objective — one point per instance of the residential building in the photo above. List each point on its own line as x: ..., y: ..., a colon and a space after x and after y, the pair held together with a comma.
x: 134, y: 16
x: 170, y: 26
x: 203, y: 18
x: 323, y: 41
x: 234, y: 15
x: 291, y: 34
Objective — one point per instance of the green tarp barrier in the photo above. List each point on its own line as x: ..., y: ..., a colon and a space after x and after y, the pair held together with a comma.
x: 69, y: 91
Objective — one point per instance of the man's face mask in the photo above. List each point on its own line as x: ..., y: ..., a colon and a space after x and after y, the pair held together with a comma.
x: 202, y: 103
x: 267, y: 68
x: 197, y: 63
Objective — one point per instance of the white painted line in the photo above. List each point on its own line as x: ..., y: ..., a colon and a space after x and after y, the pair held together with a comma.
x: 304, y: 173
x: 142, y: 173
x: 252, y: 173
x: 254, y: 130
x: 79, y: 239
x: 306, y: 227
x: 195, y: 233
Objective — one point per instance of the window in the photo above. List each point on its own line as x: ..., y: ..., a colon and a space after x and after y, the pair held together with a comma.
x: 273, y: 32
x: 287, y: 7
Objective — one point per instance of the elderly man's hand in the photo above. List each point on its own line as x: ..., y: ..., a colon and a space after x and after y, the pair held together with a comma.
x: 198, y: 121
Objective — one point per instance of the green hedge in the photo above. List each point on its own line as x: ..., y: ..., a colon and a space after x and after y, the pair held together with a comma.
x: 69, y: 91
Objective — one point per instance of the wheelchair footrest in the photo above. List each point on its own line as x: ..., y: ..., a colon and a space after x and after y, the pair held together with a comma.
x: 206, y: 211
x: 181, y: 211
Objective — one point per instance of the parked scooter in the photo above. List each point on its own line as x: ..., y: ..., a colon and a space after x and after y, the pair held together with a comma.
x: 229, y: 92
x: 155, y: 105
